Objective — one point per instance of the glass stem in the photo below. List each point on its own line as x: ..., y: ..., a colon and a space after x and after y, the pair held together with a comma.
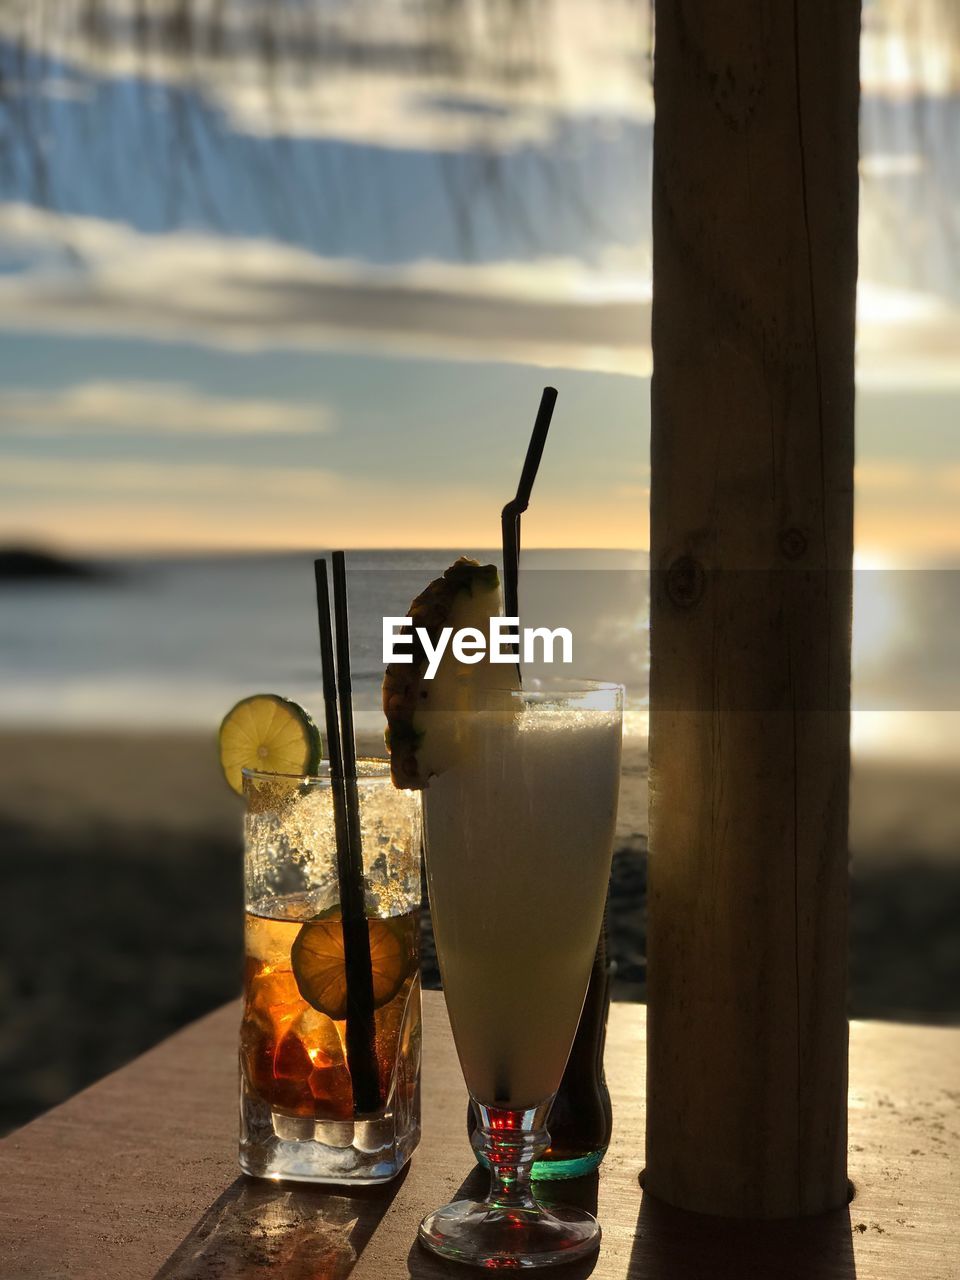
x: 509, y: 1142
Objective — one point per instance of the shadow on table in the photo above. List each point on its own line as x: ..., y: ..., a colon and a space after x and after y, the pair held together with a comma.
x: 671, y: 1244
x: 299, y: 1232
x: 580, y: 1192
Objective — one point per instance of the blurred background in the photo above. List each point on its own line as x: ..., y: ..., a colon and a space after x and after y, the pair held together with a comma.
x: 277, y: 275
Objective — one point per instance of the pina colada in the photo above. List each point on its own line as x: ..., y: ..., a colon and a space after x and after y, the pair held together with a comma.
x: 518, y: 833
x: 520, y: 785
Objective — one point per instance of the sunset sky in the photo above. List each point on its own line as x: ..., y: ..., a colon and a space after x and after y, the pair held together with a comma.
x: 236, y: 314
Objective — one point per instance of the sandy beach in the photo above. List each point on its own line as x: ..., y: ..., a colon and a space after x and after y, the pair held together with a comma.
x: 122, y: 889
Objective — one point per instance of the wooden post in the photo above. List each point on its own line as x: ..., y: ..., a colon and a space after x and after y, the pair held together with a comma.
x: 755, y: 234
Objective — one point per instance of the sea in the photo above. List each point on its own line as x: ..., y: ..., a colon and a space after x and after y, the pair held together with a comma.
x: 152, y: 643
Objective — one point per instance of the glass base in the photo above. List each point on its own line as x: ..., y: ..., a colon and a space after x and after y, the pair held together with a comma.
x: 484, y: 1235
x: 510, y: 1228
x: 363, y: 1151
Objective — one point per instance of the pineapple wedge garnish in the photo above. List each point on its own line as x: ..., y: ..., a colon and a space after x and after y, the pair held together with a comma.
x: 425, y: 718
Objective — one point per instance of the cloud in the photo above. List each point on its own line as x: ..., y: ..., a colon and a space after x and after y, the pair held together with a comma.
x: 907, y: 48
x: 906, y: 338
x: 455, y: 77
x: 96, y: 276
x: 91, y: 275
x: 104, y: 505
x: 906, y: 511
x: 895, y: 477
x: 125, y: 408
x: 892, y: 164
x: 448, y: 78
x: 95, y: 479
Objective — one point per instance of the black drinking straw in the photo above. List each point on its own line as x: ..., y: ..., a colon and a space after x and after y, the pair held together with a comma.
x: 360, y: 1030
x: 510, y: 538
x: 510, y: 516
x: 357, y: 906
x: 344, y: 684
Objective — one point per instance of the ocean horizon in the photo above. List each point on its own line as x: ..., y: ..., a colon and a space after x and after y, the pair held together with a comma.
x: 170, y: 642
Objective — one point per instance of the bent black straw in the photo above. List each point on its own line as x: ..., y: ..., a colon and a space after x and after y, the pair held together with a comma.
x: 510, y: 538
x: 510, y: 516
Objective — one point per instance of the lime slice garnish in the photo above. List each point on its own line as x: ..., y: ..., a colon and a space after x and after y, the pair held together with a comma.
x: 268, y: 733
x: 318, y: 962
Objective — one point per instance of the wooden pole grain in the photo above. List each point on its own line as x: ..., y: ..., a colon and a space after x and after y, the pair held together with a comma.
x: 755, y: 234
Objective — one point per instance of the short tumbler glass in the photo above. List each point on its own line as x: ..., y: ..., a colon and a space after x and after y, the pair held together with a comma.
x: 298, y: 1118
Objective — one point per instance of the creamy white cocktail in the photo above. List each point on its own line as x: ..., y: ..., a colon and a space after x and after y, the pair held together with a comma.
x: 520, y: 784
x: 518, y: 836
x: 518, y: 833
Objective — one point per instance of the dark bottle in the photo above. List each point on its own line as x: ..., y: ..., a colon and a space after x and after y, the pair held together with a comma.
x: 581, y: 1118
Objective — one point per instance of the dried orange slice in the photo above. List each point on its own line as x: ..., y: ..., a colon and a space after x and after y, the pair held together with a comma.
x: 318, y: 962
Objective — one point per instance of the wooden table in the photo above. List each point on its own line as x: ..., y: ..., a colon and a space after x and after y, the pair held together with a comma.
x: 137, y: 1177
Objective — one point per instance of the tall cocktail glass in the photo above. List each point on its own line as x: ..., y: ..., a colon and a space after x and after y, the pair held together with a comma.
x: 519, y: 833
x: 298, y: 1114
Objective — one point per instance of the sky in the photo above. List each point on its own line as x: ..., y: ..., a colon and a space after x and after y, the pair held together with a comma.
x: 297, y: 284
